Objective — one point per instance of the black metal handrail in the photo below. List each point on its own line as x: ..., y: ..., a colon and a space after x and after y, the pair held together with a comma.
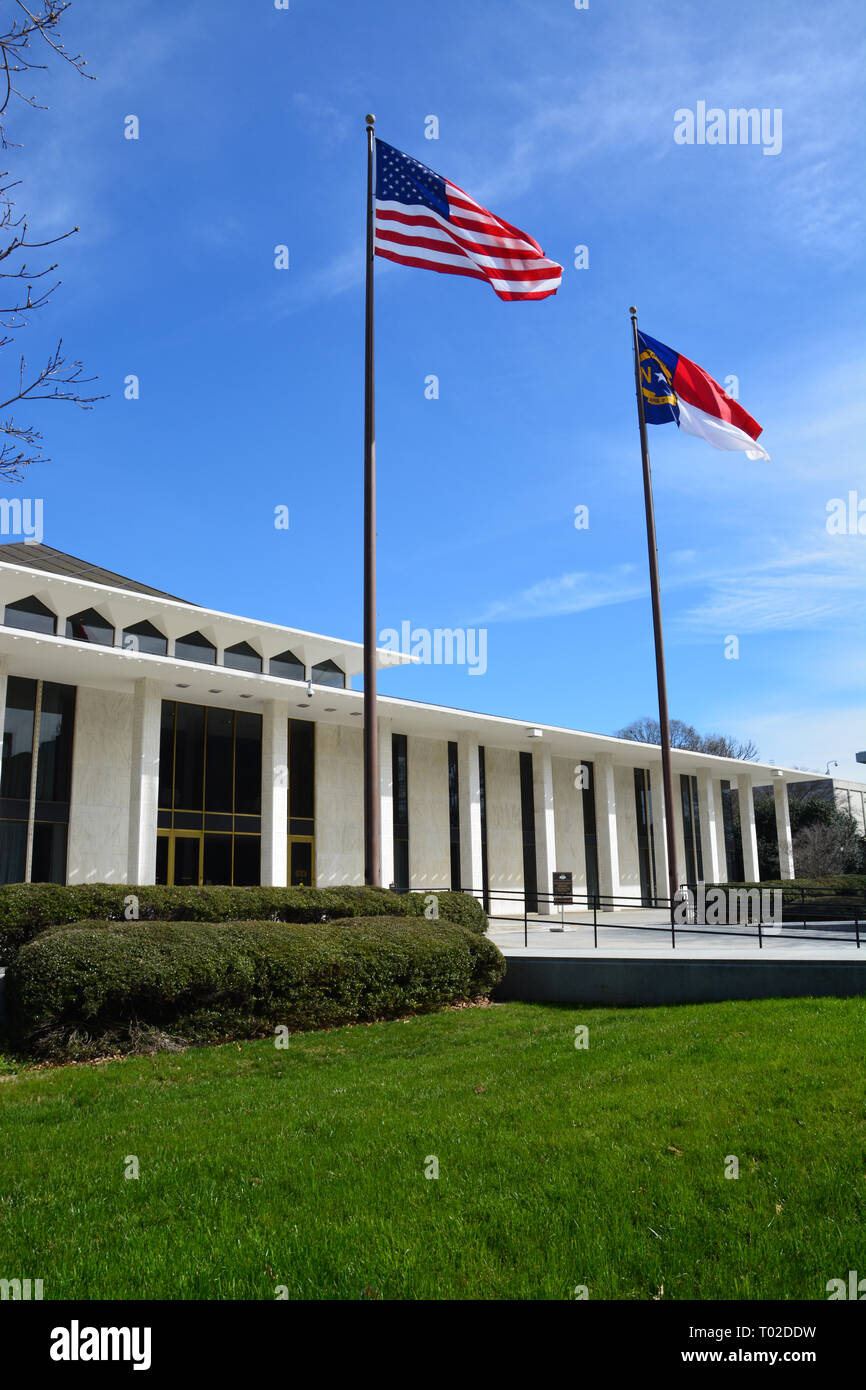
x: 602, y: 902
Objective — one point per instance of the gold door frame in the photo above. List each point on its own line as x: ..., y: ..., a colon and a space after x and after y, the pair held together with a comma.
x: 172, y: 836
x: 301, y: 840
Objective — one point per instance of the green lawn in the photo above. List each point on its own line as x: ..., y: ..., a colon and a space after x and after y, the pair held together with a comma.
x: 558, y: 1167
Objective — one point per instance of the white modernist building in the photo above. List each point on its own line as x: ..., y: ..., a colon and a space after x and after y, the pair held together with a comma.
x: 146, y: 739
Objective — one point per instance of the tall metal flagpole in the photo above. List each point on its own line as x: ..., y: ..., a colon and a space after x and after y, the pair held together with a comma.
x: 371, y: 724
x: 652, y: 546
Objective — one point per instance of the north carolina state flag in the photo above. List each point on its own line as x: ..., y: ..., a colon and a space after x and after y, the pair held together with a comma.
x: 676, y: 389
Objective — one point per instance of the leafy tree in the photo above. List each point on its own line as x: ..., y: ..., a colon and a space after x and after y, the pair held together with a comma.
x: 826, y: 840
x: 58, y: 378
x: 829, y: 847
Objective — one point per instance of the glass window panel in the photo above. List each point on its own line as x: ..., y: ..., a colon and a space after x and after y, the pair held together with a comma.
x: 301, y: 864
x: 219, y: 754
x: 482, y: 804
x: 401, y: 865
x: 527, y: 806
x: 301, y: 769
x: 144, y: 637
x: 248, y: 853
x: 166, y: 753
x: 49, y: 853
x: 328, y: 673
x: 189, y: 758
x: 30, y: 614
x: 186, y: 860
x: 287, y: 666
x: 54, y: 763
x: 217, y: 866
x: 162, y: 859
x: 399, y: 773
x: 194, y: 647
x: 18, y: 738
x: 590, y: 834
x: 90, y: 626
x: 248, y: 764
x: 13, y: 849
x: 242, y: 657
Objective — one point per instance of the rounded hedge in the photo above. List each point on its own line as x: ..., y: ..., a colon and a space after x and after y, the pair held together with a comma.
x: 28, y: 908
x: 103, y: 987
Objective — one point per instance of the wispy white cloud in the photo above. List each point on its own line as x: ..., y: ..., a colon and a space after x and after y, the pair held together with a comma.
x: 798, y: 590
x: 785, y: 589
x: 575, y: 592
x: 807, y: 738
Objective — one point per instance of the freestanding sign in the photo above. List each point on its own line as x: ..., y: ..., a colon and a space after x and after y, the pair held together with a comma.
x: 562, y: 888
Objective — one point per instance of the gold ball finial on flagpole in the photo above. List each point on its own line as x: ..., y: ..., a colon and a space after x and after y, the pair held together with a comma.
x: 371, y: 120
x: 633, y: 311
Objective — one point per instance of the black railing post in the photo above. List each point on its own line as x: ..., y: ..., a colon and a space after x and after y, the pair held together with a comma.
x: 595, y: 919
x: 525, y: 921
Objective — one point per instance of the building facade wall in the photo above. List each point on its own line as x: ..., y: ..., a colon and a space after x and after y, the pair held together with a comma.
x: 626, y: 825
x: 504, y: 826
x: 114, y: 762
x: 340, y: 806
x: 568, y: 808
x: 429, y: 827
x: 99, y: 807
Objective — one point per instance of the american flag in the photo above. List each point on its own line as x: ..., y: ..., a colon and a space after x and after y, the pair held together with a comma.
x: 425, y: 220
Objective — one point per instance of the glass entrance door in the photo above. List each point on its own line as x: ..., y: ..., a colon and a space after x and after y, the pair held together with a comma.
x: 300, y: 862
x: 178, y: 858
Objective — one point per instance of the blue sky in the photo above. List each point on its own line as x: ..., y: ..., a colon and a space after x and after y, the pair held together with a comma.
x: 561, y: 121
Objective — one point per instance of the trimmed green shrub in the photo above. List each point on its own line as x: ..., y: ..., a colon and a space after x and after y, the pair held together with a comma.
x: 844, y: 884
x: 28, y: 908
x: 102, y: 987
x: 841, y: 897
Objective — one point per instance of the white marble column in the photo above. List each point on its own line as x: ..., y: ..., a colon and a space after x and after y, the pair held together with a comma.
x: 275, y: 793
x: 386, y: 805
x: 469, y: 796
x: 783, y: 828
x: 709, y: 837
x: 605, y: 824
x: 144, y: 782
x: 545, y: 826
x: 747, y: 829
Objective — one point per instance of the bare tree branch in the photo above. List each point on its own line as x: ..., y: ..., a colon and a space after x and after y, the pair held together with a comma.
x: 59, y: 379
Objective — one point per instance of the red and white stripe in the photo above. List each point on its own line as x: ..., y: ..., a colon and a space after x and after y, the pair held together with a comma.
x: 471, y: 242
x: 709, y: 413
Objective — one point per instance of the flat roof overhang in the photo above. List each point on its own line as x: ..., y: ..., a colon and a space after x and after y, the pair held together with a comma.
x: 123, y: 608
x: 71, y: 662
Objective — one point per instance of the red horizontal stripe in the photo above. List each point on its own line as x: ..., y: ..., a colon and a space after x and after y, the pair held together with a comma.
x: 473, y: 273
x: 512, y: 267
x: 470, y: 203
x: 426, y: 219
x: 698, y: 388
x: 433, y: 265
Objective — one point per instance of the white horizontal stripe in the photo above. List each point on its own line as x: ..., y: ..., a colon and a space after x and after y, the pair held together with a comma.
x: 506, y: 241
x: 530, y: 286
x: 720, y: 433
x: 432, y: 259
x: 456, y: 257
